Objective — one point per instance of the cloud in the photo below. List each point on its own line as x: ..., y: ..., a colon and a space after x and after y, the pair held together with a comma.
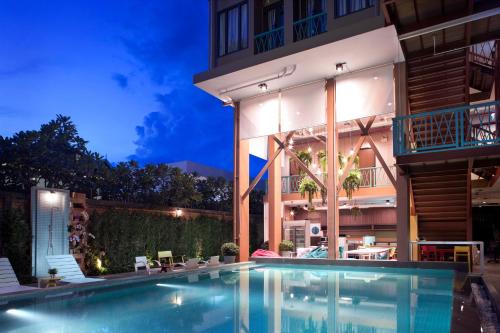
x: 28, y: 67
x: 121, y: 80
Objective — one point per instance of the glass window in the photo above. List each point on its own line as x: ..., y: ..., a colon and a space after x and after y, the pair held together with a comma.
x: 233, y: 29
x: 222, y: 34
x: 345, y: 7
x: 244, y: 26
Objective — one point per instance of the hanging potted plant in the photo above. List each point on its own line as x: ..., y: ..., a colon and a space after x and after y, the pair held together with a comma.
x: 309, y: 186
x: 306, y: 158
x: 353, y: 179
x: 322, y: 158
x: 229, y: 251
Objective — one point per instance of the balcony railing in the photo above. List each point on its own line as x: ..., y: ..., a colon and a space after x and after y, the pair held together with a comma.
x: 309, y: 27
x: 370, y: 177
x: 463, y: 127
x: 483, y: 53
x: 269, y: 40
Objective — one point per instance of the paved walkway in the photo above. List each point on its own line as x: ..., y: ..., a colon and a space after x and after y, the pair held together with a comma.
x: 492, y: 279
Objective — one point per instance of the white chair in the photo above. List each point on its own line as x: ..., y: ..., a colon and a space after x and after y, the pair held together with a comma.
x: 192, y: 263
x: 8, y: 279
x: 214, y: 261
x: 141, y: 262
x: 68, y: 269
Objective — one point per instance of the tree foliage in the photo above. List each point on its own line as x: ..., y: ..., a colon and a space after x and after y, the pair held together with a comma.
x: 56, y: 156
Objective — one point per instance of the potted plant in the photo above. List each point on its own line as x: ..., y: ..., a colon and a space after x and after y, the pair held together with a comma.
x: 353, y: 179
x: 52, y: 272
x: 229, y: 251
x: 286, y: 248
x: 309, y: 186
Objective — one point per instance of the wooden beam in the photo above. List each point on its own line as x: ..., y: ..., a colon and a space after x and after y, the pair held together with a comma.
x: 381, y: 160
x: 469, y: 199
x: 305, y: 168
x: 261, y: 172
x: 236, y: 174
x: 274, y: 198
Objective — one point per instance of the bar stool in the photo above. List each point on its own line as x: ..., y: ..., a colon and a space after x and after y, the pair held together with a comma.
x: 462, y: 252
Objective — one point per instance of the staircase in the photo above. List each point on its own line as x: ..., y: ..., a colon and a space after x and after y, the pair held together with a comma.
x: 437, y: 82
x: 440, y: 199
x: 482, y: 69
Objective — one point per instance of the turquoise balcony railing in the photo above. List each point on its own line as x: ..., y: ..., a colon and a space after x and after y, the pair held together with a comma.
x: 370, y: 177
x: 469, y: 126
x: 269, y: 40
x: 309, y: 26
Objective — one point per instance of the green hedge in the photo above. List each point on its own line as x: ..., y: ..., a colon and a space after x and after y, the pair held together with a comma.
x: 15, y: 242
x: 123, y: 235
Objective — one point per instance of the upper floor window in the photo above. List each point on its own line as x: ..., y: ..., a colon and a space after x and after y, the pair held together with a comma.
x: 269, y: 22
x: 309, y: 18
x: 346, y: 7
x: 233, y: 29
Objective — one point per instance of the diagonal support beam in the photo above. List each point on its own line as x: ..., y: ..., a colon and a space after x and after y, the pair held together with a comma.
x: 266, y: 167
x: 261, y: 173
x: 381, y: 160
x: 350, y: 162
x: 300, y: 163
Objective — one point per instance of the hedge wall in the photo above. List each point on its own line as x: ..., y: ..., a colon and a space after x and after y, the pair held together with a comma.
x: 123, y: 235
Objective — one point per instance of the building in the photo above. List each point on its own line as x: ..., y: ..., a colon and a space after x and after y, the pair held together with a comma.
x: 202, y: 170
x: 407, y: 87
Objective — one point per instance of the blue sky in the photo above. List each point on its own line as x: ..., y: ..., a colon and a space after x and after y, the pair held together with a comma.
x: 121, y: 69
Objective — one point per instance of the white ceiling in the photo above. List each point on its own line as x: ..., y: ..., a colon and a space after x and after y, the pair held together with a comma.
x: 377, y: 47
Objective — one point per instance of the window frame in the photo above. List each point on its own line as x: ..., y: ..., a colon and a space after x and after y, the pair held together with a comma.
x: 225, y: 12
x: 336, y: 12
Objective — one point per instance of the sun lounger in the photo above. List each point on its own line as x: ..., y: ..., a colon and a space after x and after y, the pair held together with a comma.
x: 8, y: 279
x: 68, y: 269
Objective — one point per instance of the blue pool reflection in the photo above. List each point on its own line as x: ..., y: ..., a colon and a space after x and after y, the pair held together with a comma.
x: 252, y: 299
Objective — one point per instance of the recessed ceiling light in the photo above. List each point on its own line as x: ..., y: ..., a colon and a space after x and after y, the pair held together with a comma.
x: 389, y: 104
x: 375, y: 77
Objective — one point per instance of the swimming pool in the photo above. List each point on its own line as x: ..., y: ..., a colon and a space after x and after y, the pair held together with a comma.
x: 252, y: 298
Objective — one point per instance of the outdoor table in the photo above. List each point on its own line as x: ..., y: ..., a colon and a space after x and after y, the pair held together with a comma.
x: 370, y: 251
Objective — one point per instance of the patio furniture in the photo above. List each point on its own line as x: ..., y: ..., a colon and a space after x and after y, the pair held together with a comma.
x: 169, y: 258
x: 369, y: 252
x: 462, y: 252
x: 265, y: 253
x: 141, y: 262
x: 214, y: 261
x: 8, y: 279
x: 192, y: 263
x: 68, y: 269
x: 428, y: 253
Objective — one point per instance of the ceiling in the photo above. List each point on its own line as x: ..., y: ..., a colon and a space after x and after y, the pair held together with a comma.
x: 310, y: 65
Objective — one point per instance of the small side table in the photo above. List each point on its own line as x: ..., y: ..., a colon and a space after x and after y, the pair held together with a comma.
x: 49, y: 282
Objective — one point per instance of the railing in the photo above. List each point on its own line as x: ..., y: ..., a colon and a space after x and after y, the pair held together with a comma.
x: 483, y: 53
x: 373, y: 177
x: 269, y: 40
x: 309, y: 26
x: 468, y: 126
x: 370, y: 177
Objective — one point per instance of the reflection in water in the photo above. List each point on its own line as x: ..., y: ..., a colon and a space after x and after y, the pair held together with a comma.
x: 269, y: 299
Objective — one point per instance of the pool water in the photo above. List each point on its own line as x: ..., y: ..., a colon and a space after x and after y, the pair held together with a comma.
x: 256, y: 298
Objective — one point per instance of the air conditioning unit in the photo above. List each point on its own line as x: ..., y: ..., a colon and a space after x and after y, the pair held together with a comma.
x: 315, y: 230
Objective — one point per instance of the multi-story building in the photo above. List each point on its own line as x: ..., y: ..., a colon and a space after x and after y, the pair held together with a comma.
x: 396, y: 97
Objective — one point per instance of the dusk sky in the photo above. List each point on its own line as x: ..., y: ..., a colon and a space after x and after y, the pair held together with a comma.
x: 122, y: 70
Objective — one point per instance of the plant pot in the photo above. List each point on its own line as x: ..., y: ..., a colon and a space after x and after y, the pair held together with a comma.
x: 229, y: 259
x: 286, y: 254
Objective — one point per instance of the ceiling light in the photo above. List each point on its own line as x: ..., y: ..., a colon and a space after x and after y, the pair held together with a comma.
x: 263, y: 87
x: 388, y: 202
x: 290, y: 141
x: 389, y: 104
x: 339, y: 67
x: 309, y: 149
x: 310, y: 130
x: 292, y: 213
x: 375, y: 77
x: 484, y: 202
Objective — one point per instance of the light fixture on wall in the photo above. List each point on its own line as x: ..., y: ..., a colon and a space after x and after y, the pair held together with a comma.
x: 178, y: 212
x: 339, y: 67
x: 263, y: 87
x: 309, y: 149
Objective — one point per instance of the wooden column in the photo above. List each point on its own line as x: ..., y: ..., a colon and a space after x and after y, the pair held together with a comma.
x: 403, y: 215
x: 470, y: 163
x: 332, y: 216
x: 497, y: 86
x: 274, y: 196
x: 241, y: 216
x: 402, y: 179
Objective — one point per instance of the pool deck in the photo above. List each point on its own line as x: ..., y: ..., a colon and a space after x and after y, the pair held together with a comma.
x: 491, y: 279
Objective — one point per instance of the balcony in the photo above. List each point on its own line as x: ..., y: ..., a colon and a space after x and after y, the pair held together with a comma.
x: 309, y: 27
x: 370, y: 177
x: 470, y: 126
x: 269, y: 40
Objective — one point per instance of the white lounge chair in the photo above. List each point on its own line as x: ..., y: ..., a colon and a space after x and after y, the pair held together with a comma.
x: 192, y: 263
x: 8, y: 279
x: 68, y: 269
x: 214, y: 261
x: 141, y: 262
